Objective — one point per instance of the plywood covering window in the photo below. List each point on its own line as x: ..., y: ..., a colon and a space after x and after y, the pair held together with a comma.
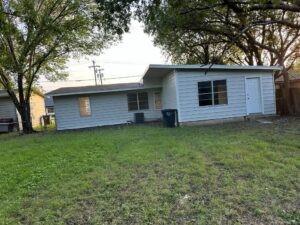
x: 157, y: 101
x: 84, y: 106
x: 137, y: 101
x: 212, y: 92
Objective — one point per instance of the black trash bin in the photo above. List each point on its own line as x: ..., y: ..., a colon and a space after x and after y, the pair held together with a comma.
x: 169, y: 117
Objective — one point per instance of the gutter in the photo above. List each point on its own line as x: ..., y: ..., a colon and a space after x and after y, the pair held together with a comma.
x: 103, y: 91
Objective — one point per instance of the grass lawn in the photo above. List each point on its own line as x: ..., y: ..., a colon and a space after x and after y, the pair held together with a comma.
x: 239, y: 173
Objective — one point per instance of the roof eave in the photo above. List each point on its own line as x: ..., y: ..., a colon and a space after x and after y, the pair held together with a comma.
x: 211, y: 67
x: 99, y: 92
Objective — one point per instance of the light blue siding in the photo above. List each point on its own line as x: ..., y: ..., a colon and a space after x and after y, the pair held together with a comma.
x: 187, y: 88
x: 107, y: 109
x: 169, y: 93
x: 7, y: 109
x: 268, y: 90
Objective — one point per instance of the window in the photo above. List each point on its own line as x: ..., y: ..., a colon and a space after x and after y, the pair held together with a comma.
x: 220, y: 92
x: 137, y: 101
x: 84, y: 106
x: 157, y: 100
x: 212, y: 92
x: 205, y: 95
x: 50, y: 109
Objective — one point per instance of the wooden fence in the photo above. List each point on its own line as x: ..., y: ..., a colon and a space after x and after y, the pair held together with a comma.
x: 294, y: 93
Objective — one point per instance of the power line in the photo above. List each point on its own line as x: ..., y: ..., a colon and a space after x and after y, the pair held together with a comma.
x: 112, y: 78
x: 80, y: 80
x: 95, y: 67
x: 125, y: 63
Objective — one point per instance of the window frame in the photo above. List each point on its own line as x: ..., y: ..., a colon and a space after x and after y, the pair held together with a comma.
x: 226, y: 92
x: 212, y: 93
x: 50, y: 108
x: 138, y: 101
x: 89, y: 113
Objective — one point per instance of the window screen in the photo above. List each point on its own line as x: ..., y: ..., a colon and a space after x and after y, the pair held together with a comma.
x: 220, y: 92
x: 132, y: 101
x: 84, y: 106
x: 212, y: 92
x: 143, y: 100
x: 205, y: 93
x: 137, y: 101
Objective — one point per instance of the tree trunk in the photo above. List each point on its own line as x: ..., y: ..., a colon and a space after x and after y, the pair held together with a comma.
x: 26, y: 118
x: 286, y: 94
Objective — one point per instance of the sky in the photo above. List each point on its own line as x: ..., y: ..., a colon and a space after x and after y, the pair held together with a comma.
x: 126, y: 61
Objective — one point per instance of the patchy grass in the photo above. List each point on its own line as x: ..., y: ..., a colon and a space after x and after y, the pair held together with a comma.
x: 239, y: 173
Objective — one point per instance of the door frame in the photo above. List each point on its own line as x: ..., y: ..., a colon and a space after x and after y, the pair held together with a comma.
x: 261, y: 92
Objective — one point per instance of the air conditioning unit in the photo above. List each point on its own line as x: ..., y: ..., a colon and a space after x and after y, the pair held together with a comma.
x: 139, y: 118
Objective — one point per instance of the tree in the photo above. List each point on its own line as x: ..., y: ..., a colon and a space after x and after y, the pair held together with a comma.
x: 243, y: 32
x: 38, y: 36
x: 296, y: 67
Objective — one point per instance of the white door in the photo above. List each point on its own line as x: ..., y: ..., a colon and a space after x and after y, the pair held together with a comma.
x: 253, y: 95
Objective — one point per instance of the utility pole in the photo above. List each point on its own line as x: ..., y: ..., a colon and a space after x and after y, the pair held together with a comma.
x: 94, y: 66
x: 100, y: 75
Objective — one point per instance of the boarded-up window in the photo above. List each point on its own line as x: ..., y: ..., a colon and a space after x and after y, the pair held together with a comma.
x: 137, y: 101
x: 212, y: 92
x: 157, y: 100
x: 84, y: 106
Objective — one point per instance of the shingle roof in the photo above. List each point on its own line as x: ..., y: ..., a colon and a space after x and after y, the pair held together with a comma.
x: 95, y: 89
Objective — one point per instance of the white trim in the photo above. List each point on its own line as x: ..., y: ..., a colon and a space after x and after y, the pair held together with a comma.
x: 213, y: 93
x: 214, y: 66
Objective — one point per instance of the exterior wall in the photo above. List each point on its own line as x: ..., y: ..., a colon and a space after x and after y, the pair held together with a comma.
x: 268, y: 94
x: 37, y: 107
x: 106, y: 109
x: 187, y: 87
x: 169, y: 92
x: 7, y: 109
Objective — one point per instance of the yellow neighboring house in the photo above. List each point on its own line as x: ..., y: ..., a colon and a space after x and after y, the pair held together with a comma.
x: 37, y: 107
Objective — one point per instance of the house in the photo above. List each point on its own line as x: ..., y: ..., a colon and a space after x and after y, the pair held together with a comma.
x: 198, y: 92
x: 8, y: 109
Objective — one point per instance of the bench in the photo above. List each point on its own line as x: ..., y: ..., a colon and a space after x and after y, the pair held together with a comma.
x: 6, y: 125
